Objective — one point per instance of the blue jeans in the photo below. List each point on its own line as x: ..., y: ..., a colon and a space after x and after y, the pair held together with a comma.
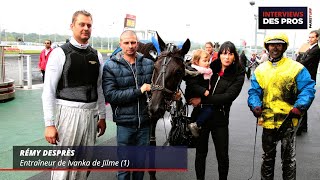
x: 204, y: 114
x: 127, y: 136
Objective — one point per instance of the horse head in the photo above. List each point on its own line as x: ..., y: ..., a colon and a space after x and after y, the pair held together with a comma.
x: 169, y: 69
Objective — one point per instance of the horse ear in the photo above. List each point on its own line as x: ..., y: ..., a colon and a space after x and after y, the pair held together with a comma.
x: 162, y: 44
x: 185, y: 47
x: 153, y: 54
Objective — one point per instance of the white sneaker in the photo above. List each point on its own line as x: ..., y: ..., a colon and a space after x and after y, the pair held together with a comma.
x: 194, y: 129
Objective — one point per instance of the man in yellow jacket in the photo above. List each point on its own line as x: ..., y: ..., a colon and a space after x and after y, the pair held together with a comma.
x: 280, y: 89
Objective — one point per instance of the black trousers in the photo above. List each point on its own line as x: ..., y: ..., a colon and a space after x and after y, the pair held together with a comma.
x: 304, y: 123
x: 288, y: 155
x: 43, y: 72
x: 220, y: 137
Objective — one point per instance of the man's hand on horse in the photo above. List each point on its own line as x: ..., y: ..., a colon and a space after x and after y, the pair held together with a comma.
x: 195, y: 101
x: 145, y: 87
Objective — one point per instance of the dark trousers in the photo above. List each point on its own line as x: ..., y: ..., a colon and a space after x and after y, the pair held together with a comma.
x: 43, y: 72
x: 288, y: 155
x: 204, y: 114
x: 220, y: 137
x: 304, y: 123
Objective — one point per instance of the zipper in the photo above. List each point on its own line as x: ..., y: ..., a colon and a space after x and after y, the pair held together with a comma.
x: 115, y: 112
x: 224, y: 113
x: 215, y: 86
x: 137, y: 87
x: 214, y: 89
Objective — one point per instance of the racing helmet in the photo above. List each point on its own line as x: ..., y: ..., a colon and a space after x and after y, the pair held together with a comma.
x: 276, y: 38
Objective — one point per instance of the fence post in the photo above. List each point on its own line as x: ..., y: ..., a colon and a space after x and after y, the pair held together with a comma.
x: 20, y: 65
x: 29, y: 72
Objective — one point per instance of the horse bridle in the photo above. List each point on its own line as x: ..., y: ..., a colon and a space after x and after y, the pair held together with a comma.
x: 156, y: 86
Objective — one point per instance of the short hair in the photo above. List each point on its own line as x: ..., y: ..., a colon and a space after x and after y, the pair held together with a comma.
x: 130, y: 32
x: 77, y: 13
x: 210, y: 43
x: 316, y: 32
x: 197, y: 54
x: 49, y: 41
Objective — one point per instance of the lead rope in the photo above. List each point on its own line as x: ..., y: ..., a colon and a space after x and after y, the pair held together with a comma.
x: 254, y: 150
x: 148, y: 99
x: 255, y: 142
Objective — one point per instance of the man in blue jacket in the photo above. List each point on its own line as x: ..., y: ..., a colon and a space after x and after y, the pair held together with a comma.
x: 126, y: 79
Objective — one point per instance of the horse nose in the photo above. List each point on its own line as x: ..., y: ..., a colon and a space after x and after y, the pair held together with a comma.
x: 156, y: 111
x: 153, y: 109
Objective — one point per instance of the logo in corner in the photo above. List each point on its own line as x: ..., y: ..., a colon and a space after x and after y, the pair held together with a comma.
x: 310, y: 18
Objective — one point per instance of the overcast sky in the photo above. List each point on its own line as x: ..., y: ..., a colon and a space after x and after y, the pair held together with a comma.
x: 200, y: 20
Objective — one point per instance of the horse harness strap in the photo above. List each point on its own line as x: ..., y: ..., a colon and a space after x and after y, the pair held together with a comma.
x: 155, y: 86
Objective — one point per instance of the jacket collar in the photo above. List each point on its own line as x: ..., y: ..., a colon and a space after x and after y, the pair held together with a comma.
x: 119, y: 57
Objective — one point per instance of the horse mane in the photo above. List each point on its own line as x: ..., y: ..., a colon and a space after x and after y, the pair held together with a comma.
x: 144, y: 48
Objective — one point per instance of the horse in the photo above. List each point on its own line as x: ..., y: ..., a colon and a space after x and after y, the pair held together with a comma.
x: 148, y: 50
x: 169, y: 69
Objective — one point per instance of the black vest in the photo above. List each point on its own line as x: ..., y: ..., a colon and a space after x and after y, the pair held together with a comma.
x: 80, y: 73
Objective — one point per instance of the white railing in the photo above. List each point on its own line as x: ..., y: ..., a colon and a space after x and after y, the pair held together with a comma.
x: 16, y: 70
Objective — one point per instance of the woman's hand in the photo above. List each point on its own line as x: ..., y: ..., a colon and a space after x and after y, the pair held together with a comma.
x: 195, y: 101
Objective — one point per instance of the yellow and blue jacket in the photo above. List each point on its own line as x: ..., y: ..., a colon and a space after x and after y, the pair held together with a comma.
x: 278, y: 87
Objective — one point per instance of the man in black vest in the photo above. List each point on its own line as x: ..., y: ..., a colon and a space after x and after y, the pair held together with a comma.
x: 72, y: 89
x: 311, y: 61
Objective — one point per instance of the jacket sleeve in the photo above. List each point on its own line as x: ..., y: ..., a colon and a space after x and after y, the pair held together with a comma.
x: 112, y: 93
x: 311, y: 58
x: 255, y: 93
x: 101, y: 101
x: 53, y: 74
x: 40, y: 59
x: 306, y: 90
x: 194, y: 87
x: 229, y: 95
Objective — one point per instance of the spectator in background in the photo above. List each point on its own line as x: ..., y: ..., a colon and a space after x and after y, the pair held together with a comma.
x: 244, y: 63
x: 302, y: 51
x: 263, y: 57
x: 310, y: 60
x: 253, y: 61
x: 209, y: 47
x: 43, y: 59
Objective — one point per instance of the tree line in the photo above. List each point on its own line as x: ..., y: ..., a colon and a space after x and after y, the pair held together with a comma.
x: 97, y: 42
